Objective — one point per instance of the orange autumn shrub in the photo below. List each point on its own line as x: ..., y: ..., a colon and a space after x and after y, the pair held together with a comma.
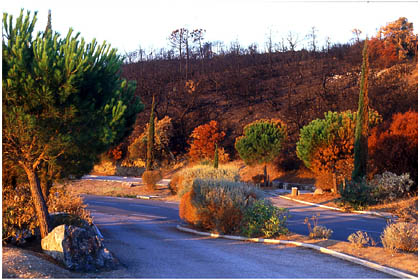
x: 187, y: 211
x: 203, y: 140
x: 395, y: 148
x: 217, y: 205
x: 327, y: 160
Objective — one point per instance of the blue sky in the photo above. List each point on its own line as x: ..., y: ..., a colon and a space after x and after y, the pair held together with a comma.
x: 127, y: 24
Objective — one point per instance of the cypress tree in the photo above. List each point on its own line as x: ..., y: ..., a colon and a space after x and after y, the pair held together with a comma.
x: 362, y: 124
x: 48, y: 27
x: 216, y: 157
x: 151, y: 138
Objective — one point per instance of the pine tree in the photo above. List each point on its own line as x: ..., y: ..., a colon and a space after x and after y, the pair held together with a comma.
x: 151, y: 137
x: 63, y: 104
x: 362, y: 125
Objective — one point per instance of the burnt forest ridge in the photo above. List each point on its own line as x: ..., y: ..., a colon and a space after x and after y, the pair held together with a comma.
x: 239, y: 85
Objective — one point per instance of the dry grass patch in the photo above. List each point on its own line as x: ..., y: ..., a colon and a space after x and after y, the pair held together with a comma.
x: 113, y: 189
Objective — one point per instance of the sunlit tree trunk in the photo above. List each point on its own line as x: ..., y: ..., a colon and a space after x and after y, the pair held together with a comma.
x: 38, y: 200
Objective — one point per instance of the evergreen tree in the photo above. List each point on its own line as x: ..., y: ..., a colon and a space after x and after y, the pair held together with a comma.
x: 362, y: 123
x: 261, y: 142
x: 48, y: 27
x: 216, y: 157
x: 151, y: 137
x: 64, y: 104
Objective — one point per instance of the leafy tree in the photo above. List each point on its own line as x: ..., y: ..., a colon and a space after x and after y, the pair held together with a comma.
x: 362, y: 123
x: 400, y: 33
x: 64, y: 103
x: 203, y: 139
x: 261, y: 142
x: 327, y: 145
x: 394, y: 42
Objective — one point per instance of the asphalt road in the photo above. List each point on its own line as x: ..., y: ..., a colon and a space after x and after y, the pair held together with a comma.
x: 143, y: 236
x: 342, y: 224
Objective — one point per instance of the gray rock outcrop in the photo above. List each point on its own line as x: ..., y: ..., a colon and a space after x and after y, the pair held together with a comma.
x: 78, y: 249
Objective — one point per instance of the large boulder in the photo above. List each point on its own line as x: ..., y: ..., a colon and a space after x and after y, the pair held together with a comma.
x: 78, y: 249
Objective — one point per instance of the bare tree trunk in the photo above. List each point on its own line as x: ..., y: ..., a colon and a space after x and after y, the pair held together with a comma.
x: 38, y: 200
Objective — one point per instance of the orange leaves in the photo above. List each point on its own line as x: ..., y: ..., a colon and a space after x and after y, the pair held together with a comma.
x: 203, y: 140
x: 396, y: 148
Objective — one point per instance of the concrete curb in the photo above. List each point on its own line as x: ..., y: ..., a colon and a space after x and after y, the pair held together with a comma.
x: 147, y: 196
x: 342, y: 256
x: 385, y: 216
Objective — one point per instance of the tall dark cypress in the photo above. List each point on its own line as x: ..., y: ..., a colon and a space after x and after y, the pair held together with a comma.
x: 48, y: 27
x: 362, y: 125
x: 151, y: 138
x: 216, y: 156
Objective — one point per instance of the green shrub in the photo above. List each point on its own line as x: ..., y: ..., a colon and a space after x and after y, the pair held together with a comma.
x: 262, y: 219
x: 186, y: 177
x: 217, y: 205
x: 402, y: 236
x: 359, y: 239
x: 356, y: 194
x: 389, y: 186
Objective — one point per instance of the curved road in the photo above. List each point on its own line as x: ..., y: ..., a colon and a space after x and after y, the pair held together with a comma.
x: 143, y: 236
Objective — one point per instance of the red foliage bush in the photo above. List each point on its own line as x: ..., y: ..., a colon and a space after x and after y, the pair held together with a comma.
x: 203, y: 139
x: 395, y: 148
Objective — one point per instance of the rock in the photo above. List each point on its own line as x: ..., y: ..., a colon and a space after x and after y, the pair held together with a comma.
x: 78, y: 249
x: 318, y: 191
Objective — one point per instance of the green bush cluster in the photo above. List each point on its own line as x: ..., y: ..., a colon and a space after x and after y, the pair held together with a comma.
x: 264, y: 219
x: 358, y: 195
x: 384, y: 187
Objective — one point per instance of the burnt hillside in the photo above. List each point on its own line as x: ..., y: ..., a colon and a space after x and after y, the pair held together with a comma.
x: 237, y: 88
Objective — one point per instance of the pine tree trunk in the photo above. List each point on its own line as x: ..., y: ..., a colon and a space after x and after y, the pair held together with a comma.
x: 265, y: 176
x: 38, y: 200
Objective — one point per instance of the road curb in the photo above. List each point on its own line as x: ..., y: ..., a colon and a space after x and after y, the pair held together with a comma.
x: 385, y: 216
x: 384, y: 269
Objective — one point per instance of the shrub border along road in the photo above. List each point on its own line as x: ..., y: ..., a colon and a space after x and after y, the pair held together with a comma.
x: 382, y: 215
x: 336, y: 254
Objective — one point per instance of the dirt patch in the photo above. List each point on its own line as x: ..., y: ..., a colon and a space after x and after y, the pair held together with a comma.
x: 21, y: 263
